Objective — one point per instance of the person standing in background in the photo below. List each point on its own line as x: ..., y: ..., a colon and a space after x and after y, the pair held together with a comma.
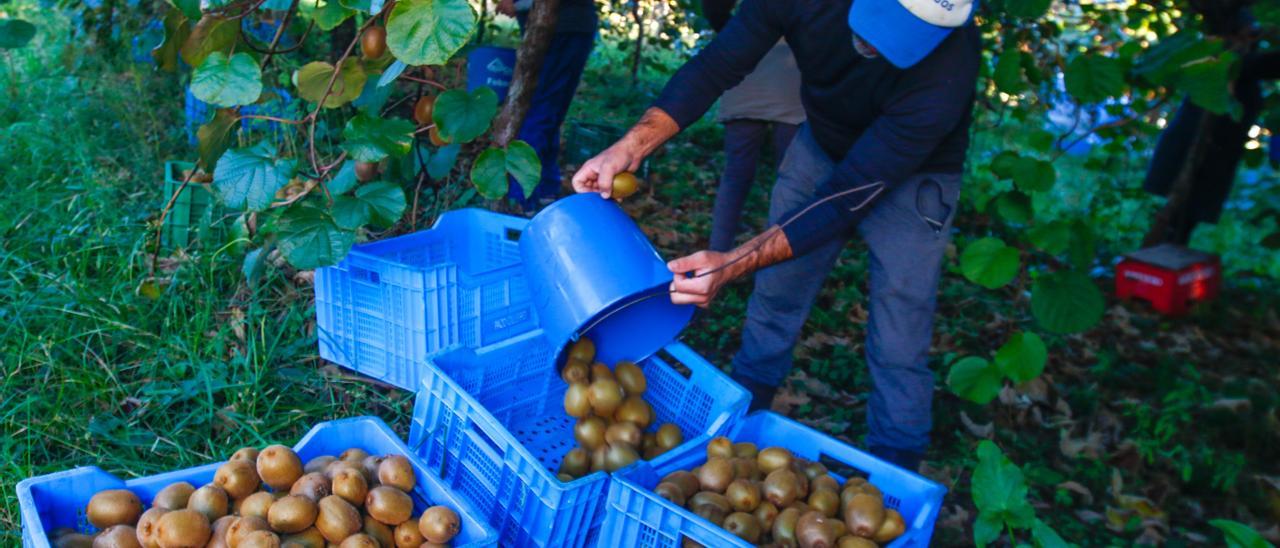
x: 558, y: 79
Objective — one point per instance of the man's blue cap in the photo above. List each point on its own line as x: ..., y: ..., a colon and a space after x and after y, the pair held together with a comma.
x: 906, y: 31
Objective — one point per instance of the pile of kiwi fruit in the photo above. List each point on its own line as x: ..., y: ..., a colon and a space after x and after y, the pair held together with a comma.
x: 770, y: 497
x: 269, y: 498
x: 613, y: 417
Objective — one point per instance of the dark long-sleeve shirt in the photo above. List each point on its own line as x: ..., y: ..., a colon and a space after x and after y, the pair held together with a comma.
x: 881, y: 123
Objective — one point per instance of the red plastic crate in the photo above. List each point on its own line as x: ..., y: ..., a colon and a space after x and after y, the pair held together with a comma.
x: 1169, y: 276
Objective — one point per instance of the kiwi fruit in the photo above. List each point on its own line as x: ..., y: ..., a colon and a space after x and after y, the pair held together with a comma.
x: 337, y: 519
x: 743, y: 495
x: 113, y: 507
x: 584, y: 350
x: 350, y: 484
x: 353, y: 454
x: 743, y: 525
x: 668, y: 436
x: 359, y: 541
x: 218, y: 537
x: 209, y: 500
x: 237, y: 477
x: 780, y: 488
x: 825, y: 502
x: 766, y: 512
x: 395, y: 471
x: 720, y: 447
x: 564, y: 478
x: 597, y: 457
x: 314, y: 486
x: 117, y: 536
x: 744, y: 468
x: 339, y: 465
x: 802, y: 481
x: 379, y: 531
x: 174, y: 496
x: 715, y: 475
x: 260, y: 539
x: 773, y: 458
x: 838, y: 528
x: 601, y: 371
x: 366, y: 171
x: 685, y: 480
x: 576, y: 463
x: 423, y: 109
x: 605, y: 396
x: 872, y: 490
x: 625, y: 184
x: 72, y: 540
x: 146, y: 527
x: 373, y: 43
x: 671, y: 492
x: 824, y: 483
x: 292, y: 514
x: 589, y: 431
x: 625, y: 433
x: 370, y: 466
x: 310, y: 538
x: 575, y: 372
x: 245, y: 453
x: 319, y: 464
x: 242, y: 526
x: 710, y: 506
x: 619, y: 456
x: 851, y: 541
x: 815, y: 470
x: 407, y: 535
x: 183, y: 529
x: 634, y: 409
x: 577, y: 400
x: 256, y: 504
x: 892, y: 527
x: 864, y: 514
x: 439, y: 524
x: 279, y: 466
x: 631, y: 377
x: 745, y: 450
x: 813, y: 530
x: 388, y: 505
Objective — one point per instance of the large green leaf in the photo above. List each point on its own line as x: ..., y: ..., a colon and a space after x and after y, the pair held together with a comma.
x: 429, y: 32
x: 227, y: 81
x: 190, y: 9
x: 442, y: 161
x: 1162, y: 63
x: 1052, y: 237
x: 1004, y: 164
x: 309, y: 238
x: 209, y: 35
x: 1066, y: 302
x: 990, y: 263
x: 489, y: 173
x: 250, y: 177
x: 523, y: 164
x: 461, y: 116
x: 215, y: 137
x: 1239, y: 535
x: 1208, y: 82
x: 1045, y: 537
x: 15, y: 33
x: 1014, y: 207
x: 1082, y: 246
x: 344, y: 180
x: 350, y: 213
x: 975, y: 379
x: 313, y: 79
x: 1091, y: 77
x: 1022, y: 357
x: 176, y: 30
x: 1032, y: 175
x: 328, y: 14
x: 1008, y: 73
x: 986, y: 529
x: 380, y: 203
x: 999, y: 489
x: 370, y: 139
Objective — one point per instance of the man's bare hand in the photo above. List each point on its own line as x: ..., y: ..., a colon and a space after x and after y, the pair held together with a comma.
x: 507, y: 8
x: 698, y: 277
x: 596, y: 175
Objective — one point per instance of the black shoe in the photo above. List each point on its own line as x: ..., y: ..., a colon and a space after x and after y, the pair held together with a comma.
x: 761, y: 394
x: 909, y: 460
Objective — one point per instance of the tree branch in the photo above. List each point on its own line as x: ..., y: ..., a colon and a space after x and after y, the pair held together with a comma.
x: 537, y: 38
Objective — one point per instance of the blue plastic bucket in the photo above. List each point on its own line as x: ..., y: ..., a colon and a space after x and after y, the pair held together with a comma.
x: 491, y: 66
x: 592, y: 272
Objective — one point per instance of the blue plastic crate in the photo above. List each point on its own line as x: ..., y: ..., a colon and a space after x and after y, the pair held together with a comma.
x: 264, y: 31
x: 140, y: 46
x: 196, y: 113
x: 276, y: 104
x: 58, y: 500
x: 492, y: 422
x: 390, y: 305
x: 638, y: 517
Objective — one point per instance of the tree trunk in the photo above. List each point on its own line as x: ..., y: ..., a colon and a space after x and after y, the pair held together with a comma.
x: 1174, y: 212
x: 635, y: 57
x: 539, y: 29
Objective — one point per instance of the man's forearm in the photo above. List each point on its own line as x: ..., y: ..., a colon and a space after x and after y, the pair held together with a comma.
x: 653, y: 129
x: 769, y: 248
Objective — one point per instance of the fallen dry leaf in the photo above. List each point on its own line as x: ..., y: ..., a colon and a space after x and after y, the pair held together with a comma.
x: 1077, y: 488
x: 981, y: 431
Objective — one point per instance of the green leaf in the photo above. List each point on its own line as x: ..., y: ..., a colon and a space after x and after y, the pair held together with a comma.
x: 190, y: 9
x: 350, y: 213
x: 330, y: 14
x: 1164, y: 62
x: 524, y: 165
x: 15, y: 33
x: 999, y: 489
x: 255, y: 263
x: 975, y: 379
x: 1008, y: 73
x: 986, y: 529
x: 384, y: 200
x: 1032, y: 175
x: 373, y: 98
x: 344, y: 180
x: 1022, y: 9
x: 1003, y: 164
x: 313, y: 79
x: 176, y: 31
x: 1066, y: 302
x: 1041, y: 140
x: 250, y: 177
x: 1082, y: 246
x: 442, y: 161
x: 990, y: 263
x: 1045, y: 537
x: 209, y: 35
x: 1051, y: 238
x: 309, y: 238
x: 461, y: 116
x: 1014, y: 207
x: 370, y: 139
x: 489, y: 173
x: 1239, y: 535
x: 1208, y: 82
x: 429, y: 32
x: 214, y: 138
x: 1091, y: 78
x: 227, y: 81
x: 1022, y: 358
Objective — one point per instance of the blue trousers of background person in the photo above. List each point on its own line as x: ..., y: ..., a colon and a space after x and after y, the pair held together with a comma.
x: 743, y: 141
x: 558, y: 80
x: 906, y: 232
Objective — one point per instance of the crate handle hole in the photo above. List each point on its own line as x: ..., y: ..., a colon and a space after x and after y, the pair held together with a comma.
x: 365, y: 275
x: 512, y: 235
x: 674, y: 363
x: 480, y: 433
x: 840, y: 468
